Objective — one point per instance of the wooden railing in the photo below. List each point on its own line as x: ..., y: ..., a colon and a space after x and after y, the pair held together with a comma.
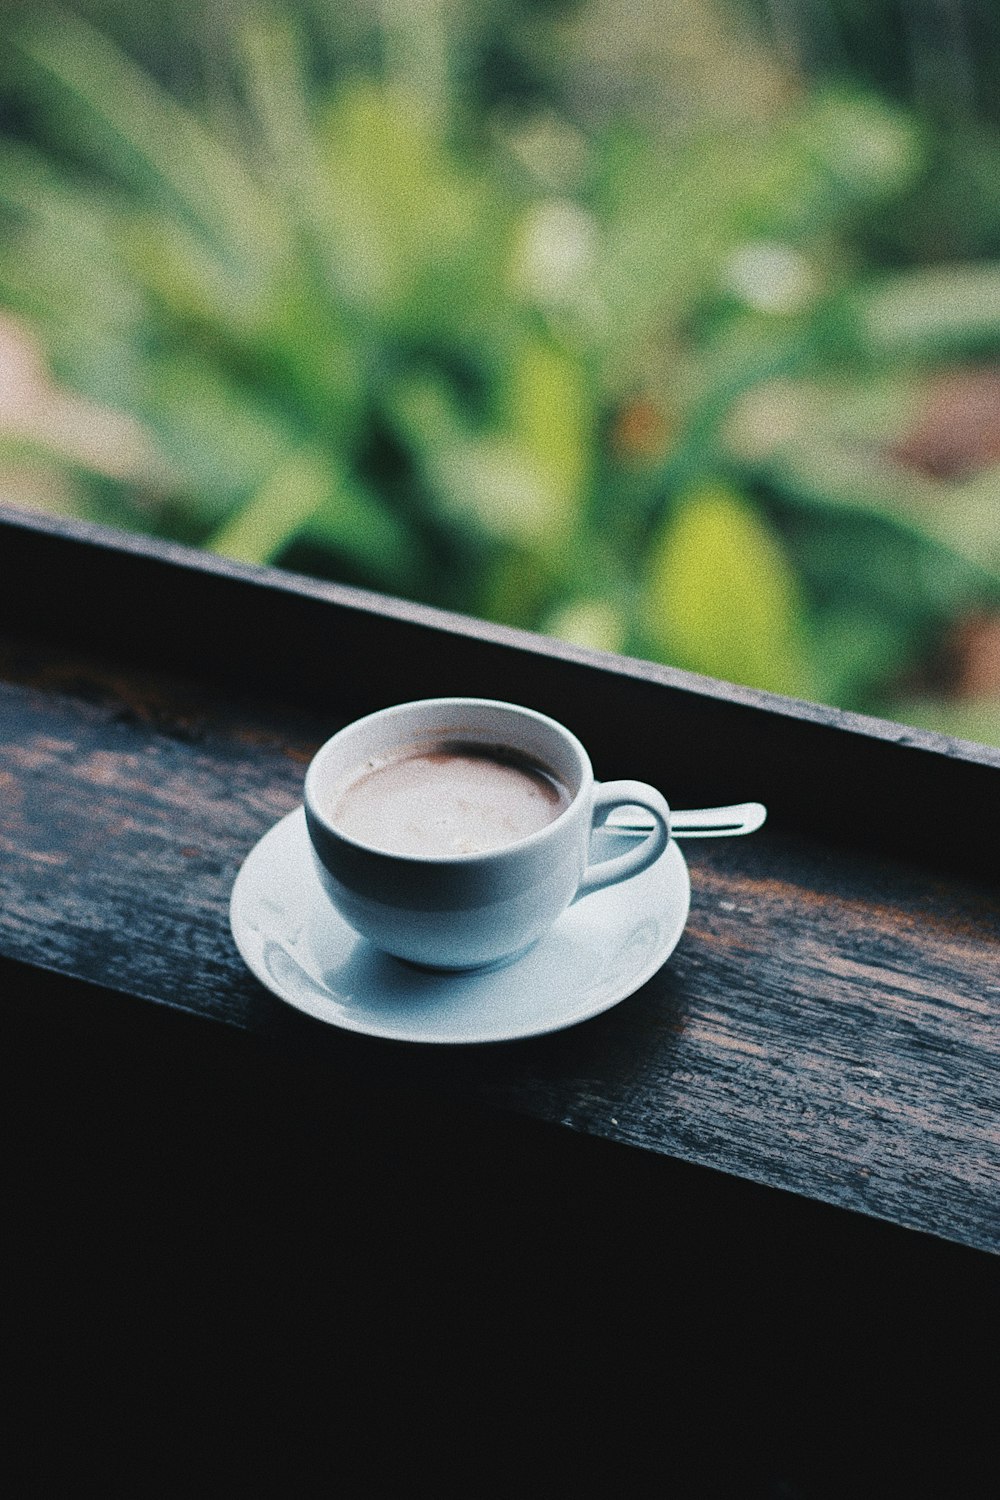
x: 808, y: 1085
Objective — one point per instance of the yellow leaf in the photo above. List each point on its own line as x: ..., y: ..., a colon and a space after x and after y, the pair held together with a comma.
x: 549, y: 416
x: 723, y: 599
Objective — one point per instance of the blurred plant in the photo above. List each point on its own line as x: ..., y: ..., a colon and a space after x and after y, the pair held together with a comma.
x: 630, y: 386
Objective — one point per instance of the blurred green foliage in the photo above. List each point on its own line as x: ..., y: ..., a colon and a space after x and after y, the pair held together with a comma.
x: 396, y: 295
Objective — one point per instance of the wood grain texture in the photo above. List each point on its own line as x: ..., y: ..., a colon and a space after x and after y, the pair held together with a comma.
x: 829, y: 1024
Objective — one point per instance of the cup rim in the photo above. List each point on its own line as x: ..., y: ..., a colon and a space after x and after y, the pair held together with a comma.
x: 491, y: 856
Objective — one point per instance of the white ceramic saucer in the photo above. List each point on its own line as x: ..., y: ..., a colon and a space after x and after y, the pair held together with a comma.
x: 599, y: 951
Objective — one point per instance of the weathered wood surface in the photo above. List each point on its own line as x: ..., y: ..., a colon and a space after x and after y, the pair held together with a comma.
x: 829, y: 1024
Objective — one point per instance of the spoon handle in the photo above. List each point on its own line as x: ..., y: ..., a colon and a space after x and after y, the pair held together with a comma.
x: 694, y: 823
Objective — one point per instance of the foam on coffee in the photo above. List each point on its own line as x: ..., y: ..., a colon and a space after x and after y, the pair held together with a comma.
x: 451, y: 798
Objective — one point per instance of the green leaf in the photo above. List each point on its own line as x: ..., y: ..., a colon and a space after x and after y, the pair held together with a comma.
x: 188, y: 276
x: 673, y: 218
x: 280, y: 101
x: 151, y: 139
x: 722, y: 598
x: 960, y: 518
x: 548, y: 413
x: 223, y: 437
x: 868, y: 146
x: 522, y: 479
x: 64, y: 250
x: 588, y: 622
x: 932, y: 310
x: 276, y: 513
x: 812, y: 443
x: 479, y: 482
x: 310, y: 495
x: 404, y: 210
x: 352, y: 522
x: 861, y: 645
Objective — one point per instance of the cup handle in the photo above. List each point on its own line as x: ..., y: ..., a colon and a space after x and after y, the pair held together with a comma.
x: 607, y: 796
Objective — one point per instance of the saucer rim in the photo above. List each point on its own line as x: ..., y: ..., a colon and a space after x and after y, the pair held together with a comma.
x: 679, y: 875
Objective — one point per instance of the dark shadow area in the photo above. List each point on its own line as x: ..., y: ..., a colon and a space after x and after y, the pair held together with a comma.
x: 221, y: 1276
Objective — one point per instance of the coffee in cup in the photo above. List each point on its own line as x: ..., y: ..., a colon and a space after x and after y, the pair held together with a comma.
x: 453, y: 832
x: 451, y: 798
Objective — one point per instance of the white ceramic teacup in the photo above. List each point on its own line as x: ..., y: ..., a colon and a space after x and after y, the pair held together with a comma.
x: 468, y: 910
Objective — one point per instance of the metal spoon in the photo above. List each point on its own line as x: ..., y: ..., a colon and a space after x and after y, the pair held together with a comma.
x: 694, y: 823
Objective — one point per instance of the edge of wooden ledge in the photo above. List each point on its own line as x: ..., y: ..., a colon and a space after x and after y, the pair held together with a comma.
x: 154, y: 549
